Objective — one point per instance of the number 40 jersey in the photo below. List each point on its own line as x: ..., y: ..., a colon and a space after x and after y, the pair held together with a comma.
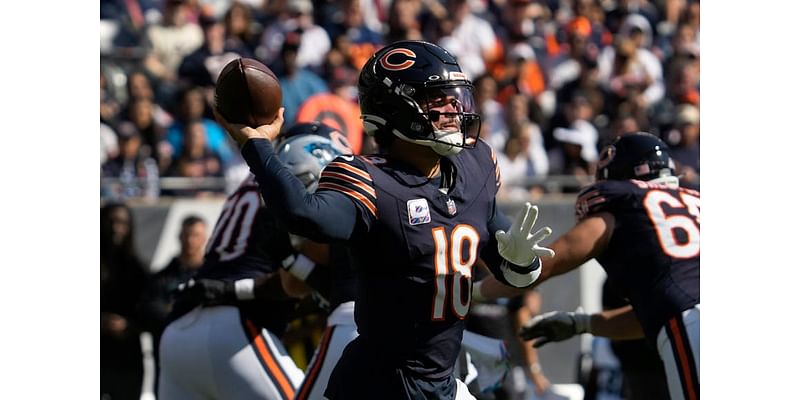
x: 654, y: 252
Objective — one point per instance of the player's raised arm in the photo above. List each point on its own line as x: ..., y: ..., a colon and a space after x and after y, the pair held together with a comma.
x: 323, y: 216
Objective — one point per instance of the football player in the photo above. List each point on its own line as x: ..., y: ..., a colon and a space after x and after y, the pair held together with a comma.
x: 331, y: 279
x: 415, y: 218
x: 332, y: 284
x: 224, y: 340
x: 645, y: 231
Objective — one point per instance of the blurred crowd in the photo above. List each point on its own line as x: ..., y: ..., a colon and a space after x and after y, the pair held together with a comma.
x: 554, y: 80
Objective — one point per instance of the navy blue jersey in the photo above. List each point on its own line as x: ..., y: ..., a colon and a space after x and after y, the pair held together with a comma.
x: 343, y: 286
x: 415, y: 253
x: 413, y: 247
x: 335, y: 282
x: 653, y: 257
x: 237, y: 250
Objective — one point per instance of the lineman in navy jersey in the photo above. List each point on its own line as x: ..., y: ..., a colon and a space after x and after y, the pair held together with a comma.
x: 416, y: 220
x: 223, y: 342
x: 645, y: 231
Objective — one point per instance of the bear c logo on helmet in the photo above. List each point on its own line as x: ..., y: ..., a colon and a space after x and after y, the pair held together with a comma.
x: 607, y: 156
x: 388, y: 65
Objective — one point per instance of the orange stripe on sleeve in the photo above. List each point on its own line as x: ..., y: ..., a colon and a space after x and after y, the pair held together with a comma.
x: 358, y: 196
x: 350, y: 168
x: 350, y: 179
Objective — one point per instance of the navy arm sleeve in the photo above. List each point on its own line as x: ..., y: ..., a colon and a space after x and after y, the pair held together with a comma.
x: 324, y: 216
x: 490, y: 255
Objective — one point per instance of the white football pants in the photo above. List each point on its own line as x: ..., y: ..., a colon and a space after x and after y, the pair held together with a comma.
x: 215, y: 353
x: 679, y: 347
x: 341, y: 330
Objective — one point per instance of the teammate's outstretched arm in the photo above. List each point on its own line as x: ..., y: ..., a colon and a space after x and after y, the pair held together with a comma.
x: 323, y: 216
x: 555, y: 326
x: 583, y: 242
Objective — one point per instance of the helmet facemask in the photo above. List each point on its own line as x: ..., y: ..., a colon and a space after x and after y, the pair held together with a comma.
x: 450, y: 111
x: 415, y: 91
x: 440, y: 116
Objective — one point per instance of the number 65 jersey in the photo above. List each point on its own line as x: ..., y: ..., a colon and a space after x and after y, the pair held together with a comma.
x: 654, y: 252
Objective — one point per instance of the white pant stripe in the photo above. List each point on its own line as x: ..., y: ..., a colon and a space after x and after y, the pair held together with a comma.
x: 674, y: 366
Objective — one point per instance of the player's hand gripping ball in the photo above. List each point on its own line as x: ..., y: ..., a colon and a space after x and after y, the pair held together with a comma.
x: 247, y: 93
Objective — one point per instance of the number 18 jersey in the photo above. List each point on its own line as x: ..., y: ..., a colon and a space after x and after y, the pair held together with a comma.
x: 654, y: 252
x: 415, y: 255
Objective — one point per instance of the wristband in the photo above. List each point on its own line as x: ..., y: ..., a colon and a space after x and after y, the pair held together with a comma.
x: 288, y: 261
x: 583, y: 322
x: 521, y: 277
x: 535, y: 368
x: 302, y: 267
x: 244, y: 289
x: 533, y: 266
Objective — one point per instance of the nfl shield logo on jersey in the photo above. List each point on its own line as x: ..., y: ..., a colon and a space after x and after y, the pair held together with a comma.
x: 418, y: 212
x: 451, y: 207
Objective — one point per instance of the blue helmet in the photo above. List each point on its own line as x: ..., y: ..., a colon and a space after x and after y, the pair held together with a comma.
x: 306, y: 155
x: 339, y: 139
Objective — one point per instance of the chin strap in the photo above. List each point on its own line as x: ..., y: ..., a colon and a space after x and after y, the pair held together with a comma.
x: 441, y: 148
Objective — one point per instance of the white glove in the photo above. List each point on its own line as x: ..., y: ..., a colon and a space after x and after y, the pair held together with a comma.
x: 555, y: 326
x: 517, y: 245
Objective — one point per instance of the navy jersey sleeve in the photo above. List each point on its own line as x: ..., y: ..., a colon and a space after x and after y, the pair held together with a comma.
x: 347, y: 175
x: 323, y: 216
x: 604, y: 196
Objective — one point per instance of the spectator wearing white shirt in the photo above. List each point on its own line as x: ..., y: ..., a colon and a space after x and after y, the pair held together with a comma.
x: 297, y: 18
x: 171, y: 40
x: 630, y: 64
x: 473, y: 41
x: 109, y: 146
x: 523, y: 157
x: 491, y: 111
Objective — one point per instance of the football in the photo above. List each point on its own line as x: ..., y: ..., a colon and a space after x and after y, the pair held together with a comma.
x: 248, y: 93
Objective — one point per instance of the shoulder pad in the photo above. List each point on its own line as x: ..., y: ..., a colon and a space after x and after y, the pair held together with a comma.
x: 601, y: 196
x: 348, y: 175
